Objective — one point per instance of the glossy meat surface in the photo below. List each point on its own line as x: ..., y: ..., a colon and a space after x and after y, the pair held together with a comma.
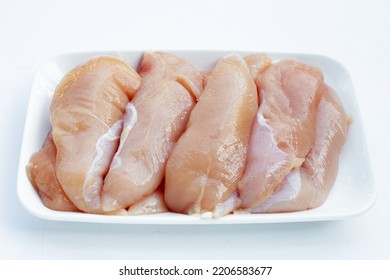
x: 86, y: 117
x: 152, y: 204
x: 209, y: 158
x: 251, y: 136
x: 284, y: 131
x: 41, y: 173
x: 154, y: 121
x: 308, y: 186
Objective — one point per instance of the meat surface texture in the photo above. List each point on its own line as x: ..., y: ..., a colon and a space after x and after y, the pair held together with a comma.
x: 154, y: 120
x: 284, y: 130
x: 308, y: 186
x: 86, y: 117
x: 250, y: 136
x: 151, y: 204
x: 209, y: 158
x: 41, y: 173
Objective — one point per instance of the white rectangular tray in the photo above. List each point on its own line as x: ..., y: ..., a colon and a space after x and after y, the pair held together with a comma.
x: 353, y: 193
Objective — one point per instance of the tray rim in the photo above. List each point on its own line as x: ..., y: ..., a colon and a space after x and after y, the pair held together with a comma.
x: 181, y: 219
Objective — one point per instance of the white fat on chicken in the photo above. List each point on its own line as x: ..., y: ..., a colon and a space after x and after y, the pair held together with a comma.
x: 129, y: 120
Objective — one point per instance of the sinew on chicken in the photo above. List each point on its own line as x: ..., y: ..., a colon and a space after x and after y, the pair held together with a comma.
x: 229, y: 148
x: 209, y: 158
x: 86, y: 118
x: 156, y: 119
x: 284, y: 130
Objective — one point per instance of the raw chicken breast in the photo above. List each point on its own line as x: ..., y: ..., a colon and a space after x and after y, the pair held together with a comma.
x: 41, y: 173
x: 152, y: 204
x: 86, y: 117
x: 257, y: 63
x: 309, y: 186
x: 284, y: 131
x: 209, y: 158
x: 154, y: 120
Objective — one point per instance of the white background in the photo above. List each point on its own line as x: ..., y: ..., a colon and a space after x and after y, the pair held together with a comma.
x: 354, y: 32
